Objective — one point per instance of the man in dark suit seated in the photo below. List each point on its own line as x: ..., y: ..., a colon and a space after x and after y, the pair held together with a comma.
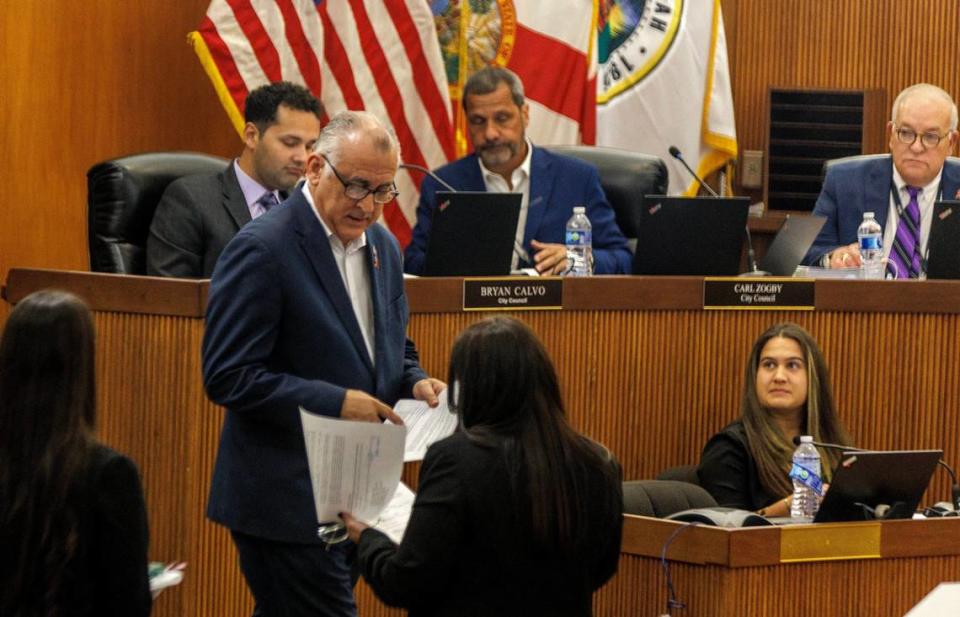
x: 900, y: 190
x: 505, y: 161
x: 307, y: 308
x: 199, y: 214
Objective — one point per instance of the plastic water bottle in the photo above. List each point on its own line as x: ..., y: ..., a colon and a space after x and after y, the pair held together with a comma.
x: 579, y: 243
x: 807, y: 483
x: 870, y: 236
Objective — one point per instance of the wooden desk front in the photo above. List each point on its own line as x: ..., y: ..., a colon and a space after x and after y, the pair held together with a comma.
x: 843, y: 570
x: 644, y: 369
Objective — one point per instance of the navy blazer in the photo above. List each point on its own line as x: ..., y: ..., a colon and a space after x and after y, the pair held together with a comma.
x: 557, y: 184
x: 281, y: 333
x: 854, y: 187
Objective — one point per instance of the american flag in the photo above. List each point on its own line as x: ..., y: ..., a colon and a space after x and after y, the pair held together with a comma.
x: 376, y: 55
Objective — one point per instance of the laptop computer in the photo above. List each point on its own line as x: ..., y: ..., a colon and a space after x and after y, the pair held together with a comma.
x: 791, y: 243
x: 894, y: 478
x: 701, y: 236
x: 473, y: 234
x: 943, y: 246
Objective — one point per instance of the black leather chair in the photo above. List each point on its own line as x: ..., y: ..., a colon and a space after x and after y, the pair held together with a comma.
x: 680, y: 473
x: 626, y: 177
x: 661, y: 498
x: 122, y: 195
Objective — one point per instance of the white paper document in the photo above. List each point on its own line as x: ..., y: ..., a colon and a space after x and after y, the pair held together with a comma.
x: 425, y: 425
x: 354, y: 466
x: 394, y: 518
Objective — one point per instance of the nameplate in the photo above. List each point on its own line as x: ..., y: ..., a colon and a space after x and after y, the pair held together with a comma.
x: 513, y: 294
x: 758, y: 294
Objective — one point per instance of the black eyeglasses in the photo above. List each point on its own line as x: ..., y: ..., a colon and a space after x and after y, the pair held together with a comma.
x: 909, y: 136
x: 356, y: 191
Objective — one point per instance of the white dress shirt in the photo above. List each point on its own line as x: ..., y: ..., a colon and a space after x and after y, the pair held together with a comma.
x: 520, y: 180
x: 352, y: 264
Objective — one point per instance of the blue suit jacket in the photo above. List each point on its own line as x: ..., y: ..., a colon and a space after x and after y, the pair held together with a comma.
x: 854, y: 187
x: 281, y: 332
x: 557, y: 184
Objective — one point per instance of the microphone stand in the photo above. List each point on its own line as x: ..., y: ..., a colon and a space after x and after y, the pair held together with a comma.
x: 751, y: 259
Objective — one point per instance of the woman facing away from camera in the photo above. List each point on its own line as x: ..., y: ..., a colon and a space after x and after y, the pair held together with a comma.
x: 516, y: 513
x: 786, y: 393
x: 73, y: 527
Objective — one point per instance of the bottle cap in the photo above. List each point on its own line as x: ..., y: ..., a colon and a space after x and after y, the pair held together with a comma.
x: 806, y: 439
x: 579, y: 209
x: 868, y: 215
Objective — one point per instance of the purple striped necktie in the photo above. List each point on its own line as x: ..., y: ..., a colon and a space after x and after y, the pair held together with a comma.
x: 904, y: 259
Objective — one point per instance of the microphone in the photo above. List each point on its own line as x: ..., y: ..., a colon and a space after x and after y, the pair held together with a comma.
x: 954, y: 487
x: 675, y: 153
x: 751, y: 258
x: 517, y: 247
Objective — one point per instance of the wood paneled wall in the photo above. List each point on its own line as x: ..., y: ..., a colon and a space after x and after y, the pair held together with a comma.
x: 81, y: 82
x: 855, y: 44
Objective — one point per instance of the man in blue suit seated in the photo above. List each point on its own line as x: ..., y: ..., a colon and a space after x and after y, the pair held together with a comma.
x: 503, y: 161
x: 900, y: 190
x: 306, y: 308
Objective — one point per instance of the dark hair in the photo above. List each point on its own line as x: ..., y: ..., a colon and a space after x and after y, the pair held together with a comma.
x: 504, y: 388
x: 47, y: 417
x: 770, y: 448
x: 262, y: 103
x: 488, y: 79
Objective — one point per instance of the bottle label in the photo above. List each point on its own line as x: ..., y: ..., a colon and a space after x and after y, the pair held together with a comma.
x: 578, y: 237
x: 872, y: 242
x: 807, y: 477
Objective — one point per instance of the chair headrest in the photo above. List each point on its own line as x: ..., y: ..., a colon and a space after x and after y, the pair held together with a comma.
x: 122, y: 195
x: 661, y: 498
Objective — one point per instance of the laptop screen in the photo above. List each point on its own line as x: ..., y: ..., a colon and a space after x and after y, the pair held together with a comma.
x: 701, y: 236
x: 943, y: 246
x: 895, y: 478
x: 473, y: 234
x: 791, y: 243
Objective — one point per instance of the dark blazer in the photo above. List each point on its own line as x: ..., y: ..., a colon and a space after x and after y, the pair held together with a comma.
x: 281, y: 333
x: 467, y: 549
x: 109, y: 572
x: 728, y: 471
x: 195, y: 219
x: 557, y: 184
x: 854, y: 187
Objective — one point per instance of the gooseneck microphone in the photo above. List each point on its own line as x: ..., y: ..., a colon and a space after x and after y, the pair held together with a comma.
x: 675, y: 153
x: 517, y: 247
x: 954, y: 486
x: 751, y: 258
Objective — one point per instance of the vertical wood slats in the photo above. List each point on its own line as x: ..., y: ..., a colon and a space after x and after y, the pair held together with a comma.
x: 836, y: 44
x: 859, y: 588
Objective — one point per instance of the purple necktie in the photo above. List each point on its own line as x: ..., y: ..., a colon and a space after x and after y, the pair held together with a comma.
x: 906, y: 244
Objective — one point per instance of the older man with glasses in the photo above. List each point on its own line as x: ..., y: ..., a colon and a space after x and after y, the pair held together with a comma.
x: 900, y: 190
x: 306, y: 308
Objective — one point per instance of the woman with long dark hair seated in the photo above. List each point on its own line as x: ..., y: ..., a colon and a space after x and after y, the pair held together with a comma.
x: 516, y: 513
x: 786, y: 393
x: 73, y: 528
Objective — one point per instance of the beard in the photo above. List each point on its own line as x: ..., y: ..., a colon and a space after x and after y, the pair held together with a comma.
x: 494, y: 155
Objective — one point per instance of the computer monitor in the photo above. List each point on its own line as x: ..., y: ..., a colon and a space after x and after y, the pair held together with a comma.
x: 700, y: 236
x: 868, y: 479
x: 472, y: 234
x: 943, y: 246
x: 791, y: 243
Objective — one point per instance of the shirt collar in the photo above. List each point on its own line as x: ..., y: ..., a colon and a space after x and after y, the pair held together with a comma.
x: 252, y: 190
x: 354, y: 245
x: 524, y: 166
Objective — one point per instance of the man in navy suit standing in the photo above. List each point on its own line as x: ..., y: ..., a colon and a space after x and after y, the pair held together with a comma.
x: 505, y: 161
x: 900, y: 189
x: 306, y: 308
